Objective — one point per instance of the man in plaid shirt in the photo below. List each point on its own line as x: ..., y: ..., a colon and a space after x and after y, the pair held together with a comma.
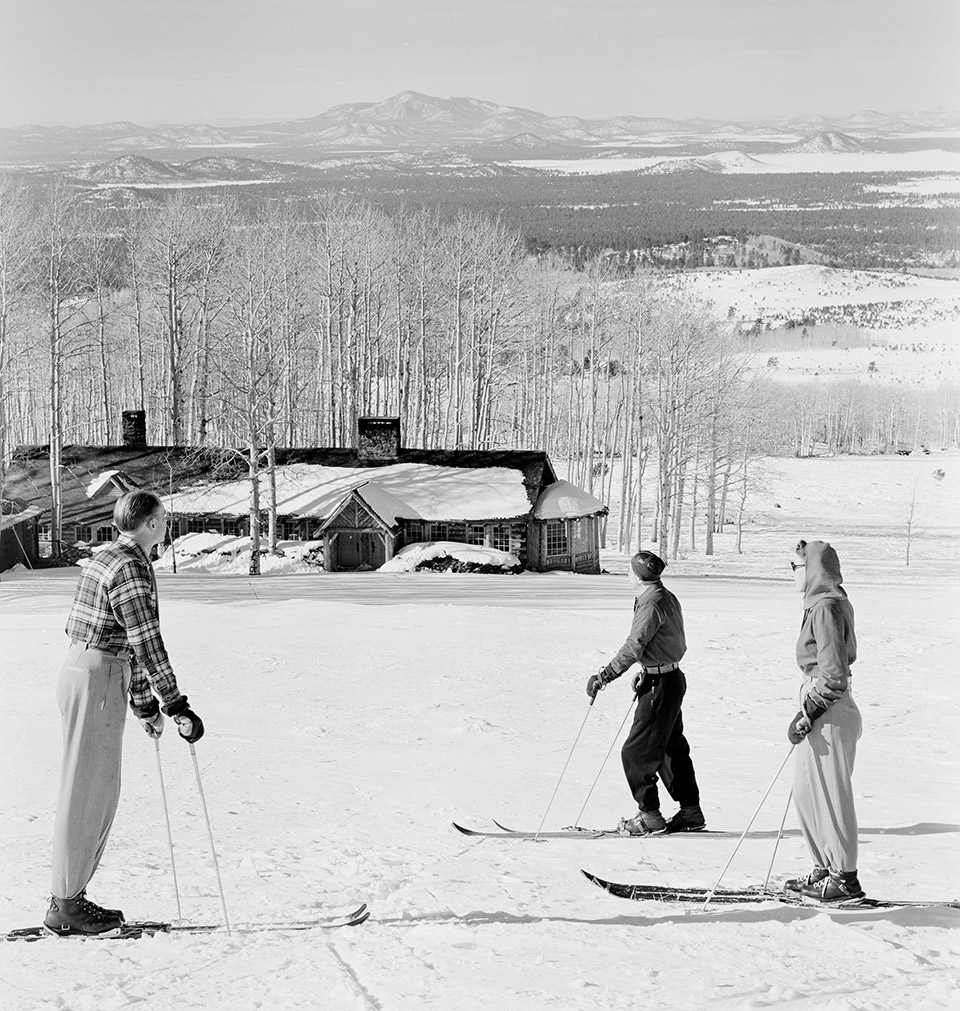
x: 116, y: 653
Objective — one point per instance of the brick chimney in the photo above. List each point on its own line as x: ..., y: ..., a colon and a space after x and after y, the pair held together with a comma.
x: 134, y: 429
x: 378, y: 439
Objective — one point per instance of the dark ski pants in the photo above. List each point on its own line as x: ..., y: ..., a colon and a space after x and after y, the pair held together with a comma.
x: 656, y: 745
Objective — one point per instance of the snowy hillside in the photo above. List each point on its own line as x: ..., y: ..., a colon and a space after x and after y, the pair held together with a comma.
x: 776, y: 161
x: 827, y: 142
x: 907, y: 326
x: 351, y: 718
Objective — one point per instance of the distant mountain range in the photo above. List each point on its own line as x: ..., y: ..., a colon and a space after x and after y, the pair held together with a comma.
x: 411, y: 122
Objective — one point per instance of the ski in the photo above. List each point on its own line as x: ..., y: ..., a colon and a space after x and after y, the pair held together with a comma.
x: 733, y: 896
x: 572, y: 832
x: 509, y: 834
x: 133, y: 929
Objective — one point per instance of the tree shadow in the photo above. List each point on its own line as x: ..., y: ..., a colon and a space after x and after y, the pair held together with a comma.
x: 769, y: 913
x: 921, y: 828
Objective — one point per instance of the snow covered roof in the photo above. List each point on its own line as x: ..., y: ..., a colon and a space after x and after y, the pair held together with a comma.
x: 387, y: 506
x: 563, y: 501
x: 121, y: 481
x: 401, y: 490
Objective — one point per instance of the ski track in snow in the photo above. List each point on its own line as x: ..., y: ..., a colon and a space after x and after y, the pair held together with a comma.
x: 350, y: 719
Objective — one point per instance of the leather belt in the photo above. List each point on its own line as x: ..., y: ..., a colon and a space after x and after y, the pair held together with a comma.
x: 663, y: 668
x: 120, y: 654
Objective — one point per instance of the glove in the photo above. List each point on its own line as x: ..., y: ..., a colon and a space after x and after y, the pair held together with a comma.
x: 151, y: 719
x: 800, y: 726
x: 635, y: 683
x: 597, y: 682
x: 189, y: 725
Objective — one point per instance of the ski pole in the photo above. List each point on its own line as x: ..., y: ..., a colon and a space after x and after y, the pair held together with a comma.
x: 776, y: 845
x: 747, y: 829
x: 166, y: 815
x: 213, y: 849
x: 616, y: 737
x: 565, y: 764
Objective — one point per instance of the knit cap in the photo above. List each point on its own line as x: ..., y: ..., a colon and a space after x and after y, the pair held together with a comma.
x: 647, y: 566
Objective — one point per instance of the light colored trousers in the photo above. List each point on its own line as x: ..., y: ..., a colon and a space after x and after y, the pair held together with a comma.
x: 92, y: 693
x: 823, y: 787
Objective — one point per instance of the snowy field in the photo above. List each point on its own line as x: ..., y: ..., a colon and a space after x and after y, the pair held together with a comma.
x: 912, y: 322
x: 351, y: 718
x: 925, y: 160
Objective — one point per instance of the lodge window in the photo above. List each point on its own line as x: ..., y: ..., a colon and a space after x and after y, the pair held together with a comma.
x: 83, y: 533
x: 475, y: 534
x: 556, y: 538
x: 500, y: 536
x: 43, y: 531
x: 290, y: 530
x: 104, y: 534
x: 414, y: 533
x: 440, y: 532
x: 231, y: 528
x: 196, y: 524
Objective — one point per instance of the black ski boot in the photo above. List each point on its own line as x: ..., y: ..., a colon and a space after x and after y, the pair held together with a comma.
x: 81, y: 916
x: 837, y: 886
x: 643, y: 823
x: 687, y: 819
x: 808, y: 880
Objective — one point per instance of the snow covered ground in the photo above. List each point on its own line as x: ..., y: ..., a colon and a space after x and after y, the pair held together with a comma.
x: 925, y: 160
x: 911, y: 322
x: 351, y: 718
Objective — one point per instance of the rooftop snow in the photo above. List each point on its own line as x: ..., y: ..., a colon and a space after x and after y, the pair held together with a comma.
x: 563, y: 500
x: 401, y: 490
x: 99, y: 481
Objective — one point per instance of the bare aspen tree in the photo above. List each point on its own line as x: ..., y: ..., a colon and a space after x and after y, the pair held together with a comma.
x: 910, y: 516
x: 458, y: 255
x: 65, y: 290
x: 251, y: 362
x: 103, y: 256
x: 17, y: 236
x: 174, y: 258
x: 133, y: 250
x: 213, y: 228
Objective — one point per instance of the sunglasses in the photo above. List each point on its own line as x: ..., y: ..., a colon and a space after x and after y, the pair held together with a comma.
x: 796, y: 565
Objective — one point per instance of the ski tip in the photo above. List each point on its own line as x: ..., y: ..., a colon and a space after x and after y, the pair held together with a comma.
x: 466, y: 831
x: 593, y: 879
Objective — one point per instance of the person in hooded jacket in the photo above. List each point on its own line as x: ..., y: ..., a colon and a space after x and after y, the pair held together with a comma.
x: 826, y: 729
x: 656, y: 745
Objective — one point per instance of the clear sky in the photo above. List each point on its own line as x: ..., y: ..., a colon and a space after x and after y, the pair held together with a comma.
x: 223, y: 61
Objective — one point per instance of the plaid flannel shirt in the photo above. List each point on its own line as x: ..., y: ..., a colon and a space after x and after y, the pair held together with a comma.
x: 115, y: 609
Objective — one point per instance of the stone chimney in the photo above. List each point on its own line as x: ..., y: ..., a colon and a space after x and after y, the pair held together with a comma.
x: 134, y: 429
x: 378, y: 439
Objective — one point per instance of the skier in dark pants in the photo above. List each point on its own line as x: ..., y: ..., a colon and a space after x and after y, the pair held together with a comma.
x: 655, y: 745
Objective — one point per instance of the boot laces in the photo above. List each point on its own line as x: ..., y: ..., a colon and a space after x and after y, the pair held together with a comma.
x: 98, y: 912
